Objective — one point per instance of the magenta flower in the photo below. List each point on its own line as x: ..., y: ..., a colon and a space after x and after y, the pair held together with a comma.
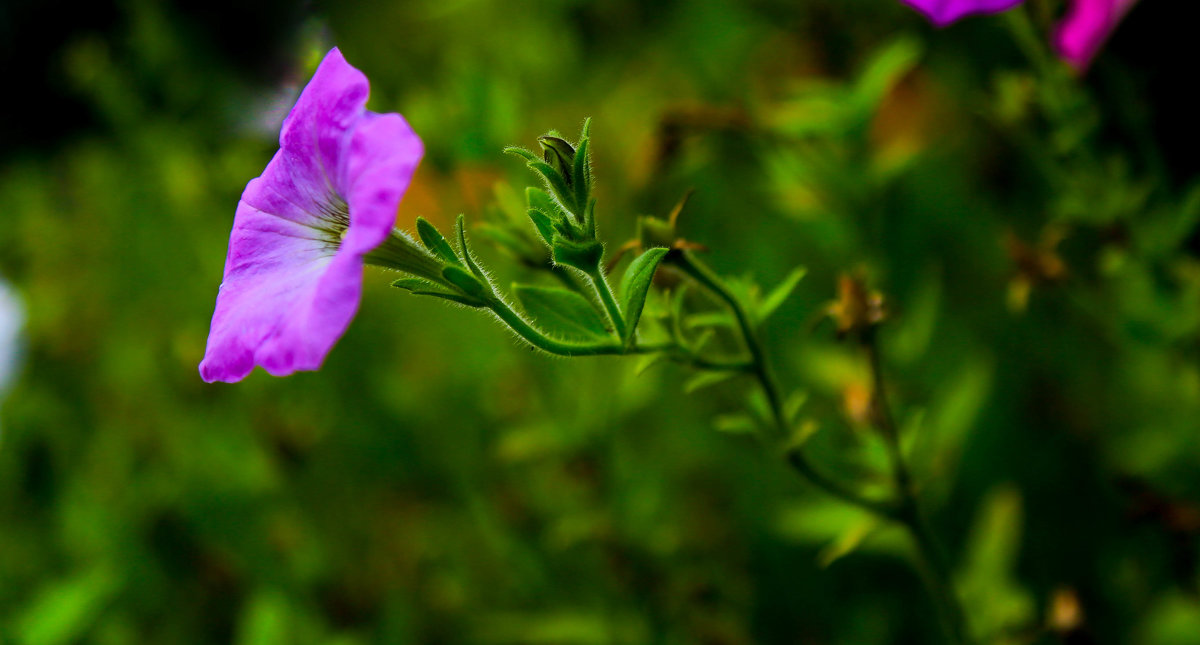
x: 944, y: 12
x: 293, y: 275
x: 1086, y: 26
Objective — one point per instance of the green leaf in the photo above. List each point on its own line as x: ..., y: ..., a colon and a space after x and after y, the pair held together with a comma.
x: 543, y: 224
x: 849, y: 540
x: 461, y: 232
x: 562, y: 313
x: 647, y: 361
x: 735, y: 424
x: 579, y: 180
x: 780, y: 293
x: 422, y: 287
x: 987, y: 582
x: 557, y: 184
x: 636, y: 284
x: 708, y: 319
x: 884, y: 71
x: 522, y: 153
x: 793, y: 404
x: 541, y: 200
x: 706, y: 379
x: 462, y: 279
x: 62, y: 612
x: 434, y: 241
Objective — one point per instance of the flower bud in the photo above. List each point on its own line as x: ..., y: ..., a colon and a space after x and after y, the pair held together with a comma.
x: 559, y: 154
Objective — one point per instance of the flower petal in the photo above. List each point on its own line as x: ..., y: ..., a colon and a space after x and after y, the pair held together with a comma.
x: 1086, y: 26
x: 944, y: 12
x: 285, y: 300
x: 301, y: 179
x: 378, y: 166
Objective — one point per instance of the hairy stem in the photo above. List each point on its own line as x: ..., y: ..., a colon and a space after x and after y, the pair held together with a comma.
x: 604, y: 291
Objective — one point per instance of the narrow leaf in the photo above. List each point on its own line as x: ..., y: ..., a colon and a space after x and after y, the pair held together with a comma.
x: 735, y: 424
x: 706, y: 379
x: 647, y: 361
x: 563, y: 313
x: 578, y: 172
x: 521, y: 152
x: 636, y: 284
x: 434, y: 241
x: 460, y: 231
x: 780, y: 293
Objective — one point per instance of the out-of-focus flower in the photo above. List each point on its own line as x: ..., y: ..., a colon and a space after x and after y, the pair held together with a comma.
x: 1086, y: 27
x: 324, y: 204
x: 10, y: 327
x: 944, y: 12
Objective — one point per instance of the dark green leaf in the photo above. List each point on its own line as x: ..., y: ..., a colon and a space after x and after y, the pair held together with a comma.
x: 636, y: 284
x: 434, y: 241
x: 562, y: 313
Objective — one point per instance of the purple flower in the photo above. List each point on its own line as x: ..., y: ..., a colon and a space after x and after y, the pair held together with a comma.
x: 1086, y: 26
x: 328, y: 198
x: 944, y: 12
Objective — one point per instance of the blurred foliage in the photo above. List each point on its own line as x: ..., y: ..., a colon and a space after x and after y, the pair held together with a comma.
x: 1034, y: 235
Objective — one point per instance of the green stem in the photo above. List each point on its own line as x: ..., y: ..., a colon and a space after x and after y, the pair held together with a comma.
x: 546, y: 343
x: 685, y: 261
x: 904, y: 511
x: 931, y: 560
x: 604, y: 291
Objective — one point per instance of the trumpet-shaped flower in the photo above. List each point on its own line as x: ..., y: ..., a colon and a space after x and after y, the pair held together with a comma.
x: 1086, y: 26
x: 303, y: 229
x: 944, y: 12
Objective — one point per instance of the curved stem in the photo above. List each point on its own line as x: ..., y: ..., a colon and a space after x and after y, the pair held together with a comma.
x: 602, y: 288
x: 686, y: 262
x: 546, y: 343
x: 905, y: 511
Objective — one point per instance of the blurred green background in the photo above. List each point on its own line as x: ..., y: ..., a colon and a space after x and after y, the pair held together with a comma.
x: 437, y: 483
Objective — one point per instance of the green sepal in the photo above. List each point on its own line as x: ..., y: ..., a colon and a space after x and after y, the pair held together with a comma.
x: 562, y: 313
x: 434, y: 241
x: 636, y: 284
x: 422, y: 287
x: 461, y: 232
x: 589, y: 219
x: 580, y: 181
x: 541, y: 200
x: 461, y: 278
x: 556, y: 183
x: 521, y: 152
x: 652, y: 231
x: 543, y: 224
x: 584, y: 256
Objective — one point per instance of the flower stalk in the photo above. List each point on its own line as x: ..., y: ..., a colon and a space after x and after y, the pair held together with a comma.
x: 904, y: 509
